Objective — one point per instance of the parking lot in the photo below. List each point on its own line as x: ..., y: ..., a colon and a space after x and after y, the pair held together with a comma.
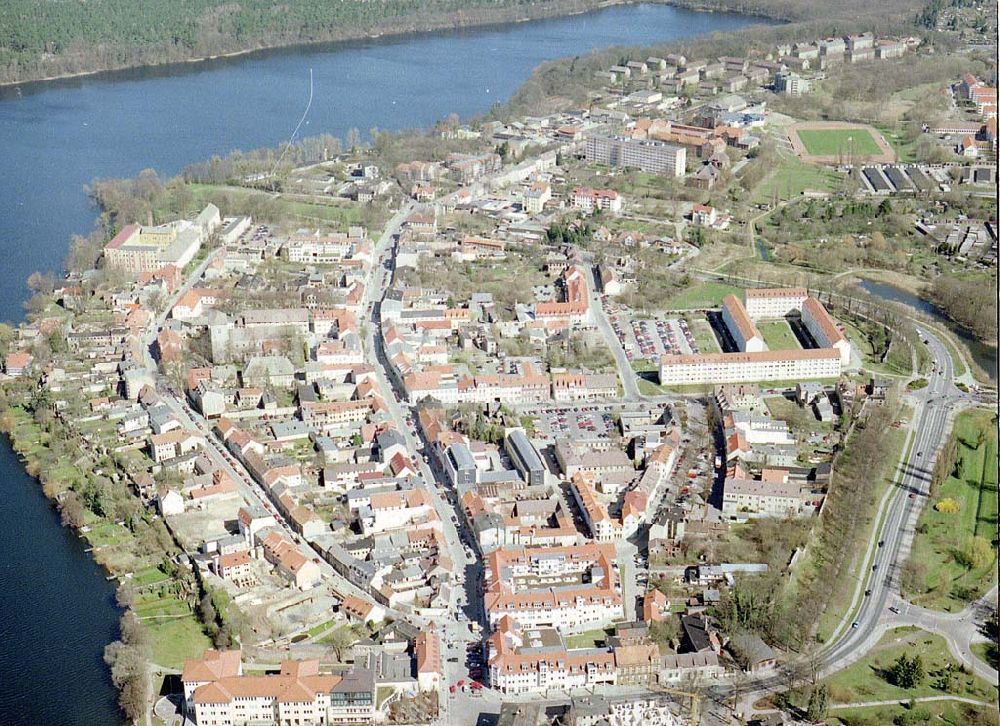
x: 654, y: 337
x: 573, y: 421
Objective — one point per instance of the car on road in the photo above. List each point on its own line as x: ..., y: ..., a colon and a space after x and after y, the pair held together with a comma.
x: 894, y: 609
x: 868, y: 593
x: 855, y: 624
x: 875, y: 567
x: 912, y: 495
x: 920, y: 453
x: 881, y: 542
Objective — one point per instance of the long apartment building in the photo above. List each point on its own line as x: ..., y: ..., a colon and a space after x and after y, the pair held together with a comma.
x: 824, y: 330
x: 533, y: 660
x: 217, y: 693
x: 644, y: 154
x: 573, y: 588
x: 768, y: 365
x: 774, y: 302
x: 754, y: 362
x: 748, y: 338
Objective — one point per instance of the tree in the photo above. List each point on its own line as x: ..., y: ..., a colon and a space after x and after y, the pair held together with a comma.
x: 975, y: 553
x: 906, y: 672
x: 818, y: 702
x: 128, y: 658
x: 664, y: 632
x: 43, y: 284
x: 71, y: 511
x: 340, y: 640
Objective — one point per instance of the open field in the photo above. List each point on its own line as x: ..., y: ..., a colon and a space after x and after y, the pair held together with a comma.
x: 946, y: 713
x: 835, y: 142
x: 866, y: 681
x: 702, y: 295
x: 945, y: 582
x: 792, y: 177
x: 778, y: 335
x: 830, y: 142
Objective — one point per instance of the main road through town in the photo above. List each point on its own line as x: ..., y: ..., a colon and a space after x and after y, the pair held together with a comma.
x: 876, y: 605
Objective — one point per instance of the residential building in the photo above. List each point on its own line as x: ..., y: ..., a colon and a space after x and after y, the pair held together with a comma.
x: 740, y: 326
x: 572, y: 588
x: 775, y: 302
x: 592, y: 200
x: 770, y: 365
x: 824, y: 330
x: 652, y: 156
x: 297, y: 694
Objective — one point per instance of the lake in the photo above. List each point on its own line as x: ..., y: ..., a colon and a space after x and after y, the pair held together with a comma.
x: 58, y: 611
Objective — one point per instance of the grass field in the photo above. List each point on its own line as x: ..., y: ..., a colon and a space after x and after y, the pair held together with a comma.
x: 945, y: 713
x: 702, y: 295
x: 947, y: 584
x: 865, y: 680
x: 176, y: 640
x: 703, y: 334
x: 831, y: 142
x: 778, y: 335
x: 792, y: 177
x: 588, y: 639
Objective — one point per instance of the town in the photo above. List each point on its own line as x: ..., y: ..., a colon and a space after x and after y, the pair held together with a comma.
x: 505, y: 426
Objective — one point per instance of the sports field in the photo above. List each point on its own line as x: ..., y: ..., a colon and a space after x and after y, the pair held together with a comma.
x: 838, y: 142
x: 830, y: 142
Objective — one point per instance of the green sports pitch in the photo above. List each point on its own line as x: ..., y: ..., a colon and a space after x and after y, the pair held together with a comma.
x: 831, y: 142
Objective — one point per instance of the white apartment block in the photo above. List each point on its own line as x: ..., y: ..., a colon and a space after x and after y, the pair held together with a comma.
x: 591, y: 200
x: 770, y: 365
x: 774, y: 302
x: 748, y: 338
x: 750, y: 497
x: 824, y: 330
x: 652, y: 156
x: 316, y: 249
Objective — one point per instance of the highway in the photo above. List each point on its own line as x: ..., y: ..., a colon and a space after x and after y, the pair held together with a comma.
x: 878, y: 583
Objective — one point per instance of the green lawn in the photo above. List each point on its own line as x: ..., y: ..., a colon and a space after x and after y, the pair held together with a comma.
x: 703, y: 334
x: 158, y: 608
x: 905, y: 150
x: 778, y: 335
x: 702, y: 295
x: 945, y: 713
x: 793, y: 177
x: 947, y: 584
x: 588, y: 639
x: 643, y: 365
x: 865, y: 680
x: 831, y: 142
x: 987, y: 652
x: 176, y: 640
x: 149, y: 576
x: 108, y: 534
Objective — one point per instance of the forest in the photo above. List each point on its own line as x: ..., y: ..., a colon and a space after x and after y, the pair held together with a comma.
x: 47, y: 38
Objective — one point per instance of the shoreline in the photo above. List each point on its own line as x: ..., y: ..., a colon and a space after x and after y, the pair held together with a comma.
x: 413, y: 27
x: 501, y: 17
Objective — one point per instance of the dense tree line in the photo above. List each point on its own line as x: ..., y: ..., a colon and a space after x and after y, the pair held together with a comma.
x: 128, y: 657
x: 46, y: 39
x: 971, y: 302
